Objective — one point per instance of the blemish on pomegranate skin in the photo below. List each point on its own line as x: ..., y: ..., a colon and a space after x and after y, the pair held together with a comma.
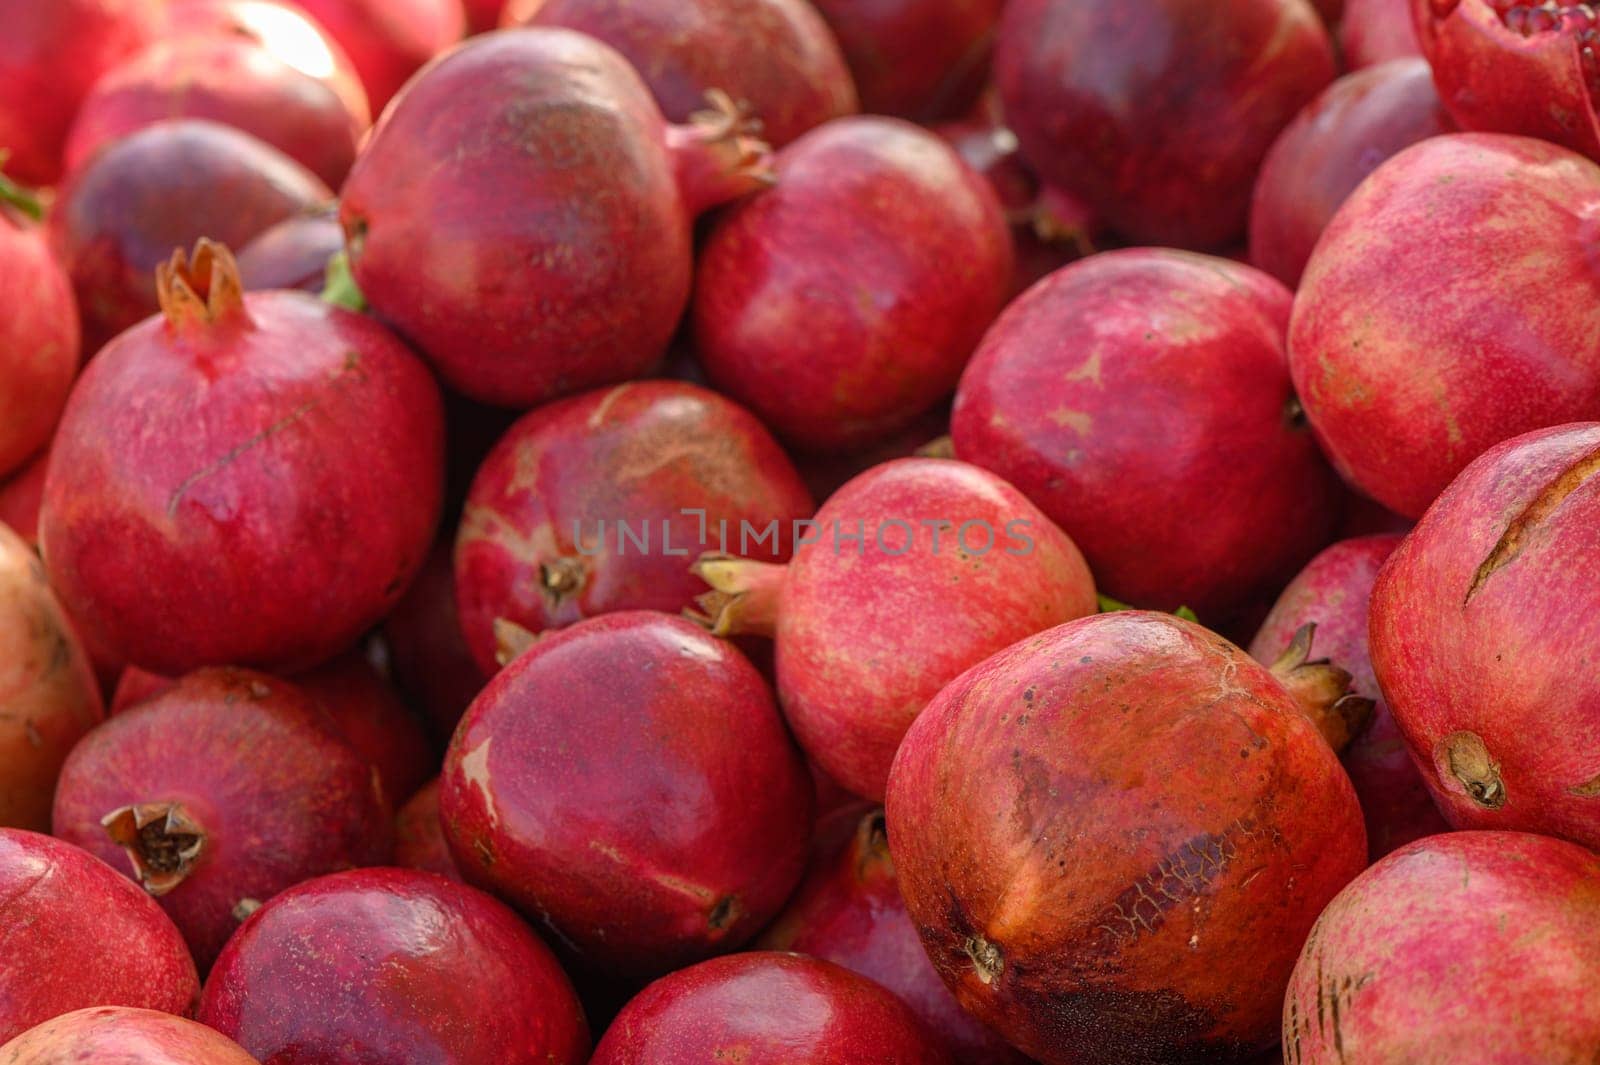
x: 987, y: 961
x: 1527, y: 524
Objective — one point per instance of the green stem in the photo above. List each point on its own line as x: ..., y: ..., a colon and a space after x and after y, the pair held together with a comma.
x: 341, y: 289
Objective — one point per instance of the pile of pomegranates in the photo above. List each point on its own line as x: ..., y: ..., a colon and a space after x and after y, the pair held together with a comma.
x: 843, y: 532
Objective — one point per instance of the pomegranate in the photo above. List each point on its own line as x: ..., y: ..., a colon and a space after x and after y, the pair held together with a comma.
x: 554, y: 127
x: 483, y: 15
x: 374, y: 720
x: 163, y: 187
x: 1509, y: 917
x: 1332, y: 593
x: 165, y: 792
x: 428, y: 653
x: 919, y: 59
x: 137, y: 686
x: 249, y: 478
x: 419, y: 835
x: 775, y: 56
x: 47, y: 688
x: 389, y: 40
x: 393, y: 965
x: 1376, y: 31
x: 926, y: 437
x: 1141, y: 398
x: 1405, y: 388
x: 599, y: 503
x: 50, y: 55
x: 1341, y: 137
x: 766, y: 1009
x: 119, y: 1035
x: 827, y: 303
x: 294, y: 253
x: 1114, y: 837
x: 903, y: 544
x: 39, y: 338
x: 1473, y: 622
x: 1158, y: 114
x: 75, y: 934
x: 848, y: 911
x: 665, y: 823
x: 20, y: 497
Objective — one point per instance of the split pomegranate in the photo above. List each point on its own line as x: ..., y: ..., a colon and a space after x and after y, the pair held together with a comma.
x: 629, y: 782
x: 50, y: 55
x: 76, y: 934
x: 427, y: 651
x: 419, y: 835
x: 908, y: 544
x: 1403, y: 387
x: 1141, y: 398
x: 827, y: 303
x: 775, y: 56
x: 553, y: 127
x: 248, y: 478
x: 294, y: 253
x: 220, y: 793
x: 1341, y: 137
x: 165, y: 187
x: 1114, y: 837
x: 920, y: 59
x: 766, y: 1009
x: 1376, y: 31
x: 388, y: 40
x: 47, y: 688
x: 1474, y: 619
x: 372, y: 718
x: 848, y: 911
x: 20, y: 497
x: 1158, y: 114
x: 1332, y: 593
x: 600, y: 502
x: 119, y: 1035
x: 393, y: 966
x: 1509, y: 917
x: 39, y: 338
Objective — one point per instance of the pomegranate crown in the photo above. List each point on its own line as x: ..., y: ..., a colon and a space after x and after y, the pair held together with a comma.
x: 202, y: 288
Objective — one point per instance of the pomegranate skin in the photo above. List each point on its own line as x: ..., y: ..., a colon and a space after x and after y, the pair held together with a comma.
x: 20, y: 497
x: 483, y: 15
x: 826, y: 304
x: 369, y: 713
x: 848, y: 911
x: 1141, y: 399
x: 1405, y: 388
x: 766, y: 1008
x: 1120, y: 104
x: 1333, y: 592
x: 428, y: 653
x: 1319, y: 159
x: 39, y: 342
x: 164, y: 187
x: 255, y: 482
x: 76, y: 934
x: 1471, y: 622
x: 261, y: 775
x: 777, y: 56
x: 419, y: 835
x: 1114, y: 837
x: 666, y: 823
x: 541, y: 541
x: 47, y: 687
x: 119, y: 1035
x: 389, y: 40
x: 924, y: 60
x: 293, y: 254
x: 392, y: 966
x: 1510, y: 918
x: 1376, y: 31
x: 50, y: 56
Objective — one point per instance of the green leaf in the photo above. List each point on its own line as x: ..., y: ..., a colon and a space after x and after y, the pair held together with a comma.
x: 17, y: 196
x: 1186, y: 614
x: 1109, y: 605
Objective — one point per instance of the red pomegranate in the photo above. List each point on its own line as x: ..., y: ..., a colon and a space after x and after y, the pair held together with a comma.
x: 1474, y: 620
x: 1114, y: 837
x: 827, y: 305
x: 137, y: 686
x: 600, y: 503
x: 664, y: 823
x: 483, y: 15
x: 393, y: 965
x: 1376, y: 31
x: 848, y: 911
x: 427, y: 652
x: 1319, y: 159
x: 775, y: 56
x: 1158, y: 114
x: 39, y: 338
x: 419, y: 835
x: 920, y: 59
x: 294, y: 253
x: 220, y: 793
x: 50, y: 55
x: 388, y: 40
x: 164, y: 187
x: 20, y: 497
x: 248, y: 478
x: 1141, y: 398
x: 907, y: 544
x: 518, y: 314
x: 1405, y: 388
x: 1332, y: 593
x: 47, y: 688
x: 373, y: 719
x: 119, y: 1035
x: 1510, y: 918
x: 76, y: 934
x: 766, y: 1008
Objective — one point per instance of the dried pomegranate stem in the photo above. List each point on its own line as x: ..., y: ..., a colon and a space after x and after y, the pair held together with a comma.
x: 744, y: 596
x: 1323, y: 691
x: 204, y: 289
x: 162, y: 840
x: 719, y: 155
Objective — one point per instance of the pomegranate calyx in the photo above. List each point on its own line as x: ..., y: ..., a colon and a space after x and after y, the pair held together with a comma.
x: 562, y: 578
x: 511, y: 639
x: 1323, y: 691
x: 1466, y: 759
x: 744, y: 595
x: 719, y: 154
x: 202, y: 289
x: 161, y: 839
